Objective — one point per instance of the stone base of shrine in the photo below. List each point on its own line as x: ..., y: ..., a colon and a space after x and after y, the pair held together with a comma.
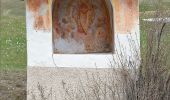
x: 72, y: 84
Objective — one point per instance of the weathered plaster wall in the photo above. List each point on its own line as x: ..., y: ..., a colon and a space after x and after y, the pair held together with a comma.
x: 41, y: 11
x: 40, y: 37
x: 126, y: 15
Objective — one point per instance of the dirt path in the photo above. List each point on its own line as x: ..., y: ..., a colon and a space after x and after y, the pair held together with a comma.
x: 12, y: 85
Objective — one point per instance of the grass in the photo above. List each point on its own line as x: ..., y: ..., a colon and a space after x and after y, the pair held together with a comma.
x: 146, y: 6
x: 152, y: 10
x: 144, y: 30
x: 13, y: 35
x: 13, y: 7
x: 12, y: 50
x: 13, y: 42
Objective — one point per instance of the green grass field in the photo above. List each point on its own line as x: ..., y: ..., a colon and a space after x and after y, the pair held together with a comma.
x: 13, y: 42
x: 13, y: 35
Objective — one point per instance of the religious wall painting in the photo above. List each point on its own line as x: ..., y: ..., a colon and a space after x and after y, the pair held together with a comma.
x: 82, y: 26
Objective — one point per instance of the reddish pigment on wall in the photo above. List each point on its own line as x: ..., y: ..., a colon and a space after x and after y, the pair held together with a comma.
x: 126, y: 15
x: 84, y: 26
x: 41, y: 12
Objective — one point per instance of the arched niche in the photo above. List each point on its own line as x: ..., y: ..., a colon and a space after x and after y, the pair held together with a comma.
x: 82, y: 26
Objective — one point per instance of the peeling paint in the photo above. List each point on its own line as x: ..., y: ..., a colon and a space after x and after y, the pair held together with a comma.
x: 41, y: 13
x: 126, y: 15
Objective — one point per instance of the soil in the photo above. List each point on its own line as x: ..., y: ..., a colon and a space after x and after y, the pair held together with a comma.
x: 12, y: 85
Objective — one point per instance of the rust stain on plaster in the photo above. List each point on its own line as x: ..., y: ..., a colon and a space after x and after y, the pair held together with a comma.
x: 41, y: 12
x: 126, y: 15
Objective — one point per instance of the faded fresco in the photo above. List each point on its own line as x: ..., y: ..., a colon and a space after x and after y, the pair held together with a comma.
x: 84, y: 26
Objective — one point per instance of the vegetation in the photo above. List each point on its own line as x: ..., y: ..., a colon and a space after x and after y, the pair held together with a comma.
x: 152, y: 5
x: 13, y: 42
x: 12, y: 50
x: 13, y: 35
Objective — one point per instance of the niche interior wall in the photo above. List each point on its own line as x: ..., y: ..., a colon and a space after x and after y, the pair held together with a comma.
x: 81, y: 33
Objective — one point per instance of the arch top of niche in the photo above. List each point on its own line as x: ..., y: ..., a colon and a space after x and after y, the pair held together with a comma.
x: 82, y: 26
